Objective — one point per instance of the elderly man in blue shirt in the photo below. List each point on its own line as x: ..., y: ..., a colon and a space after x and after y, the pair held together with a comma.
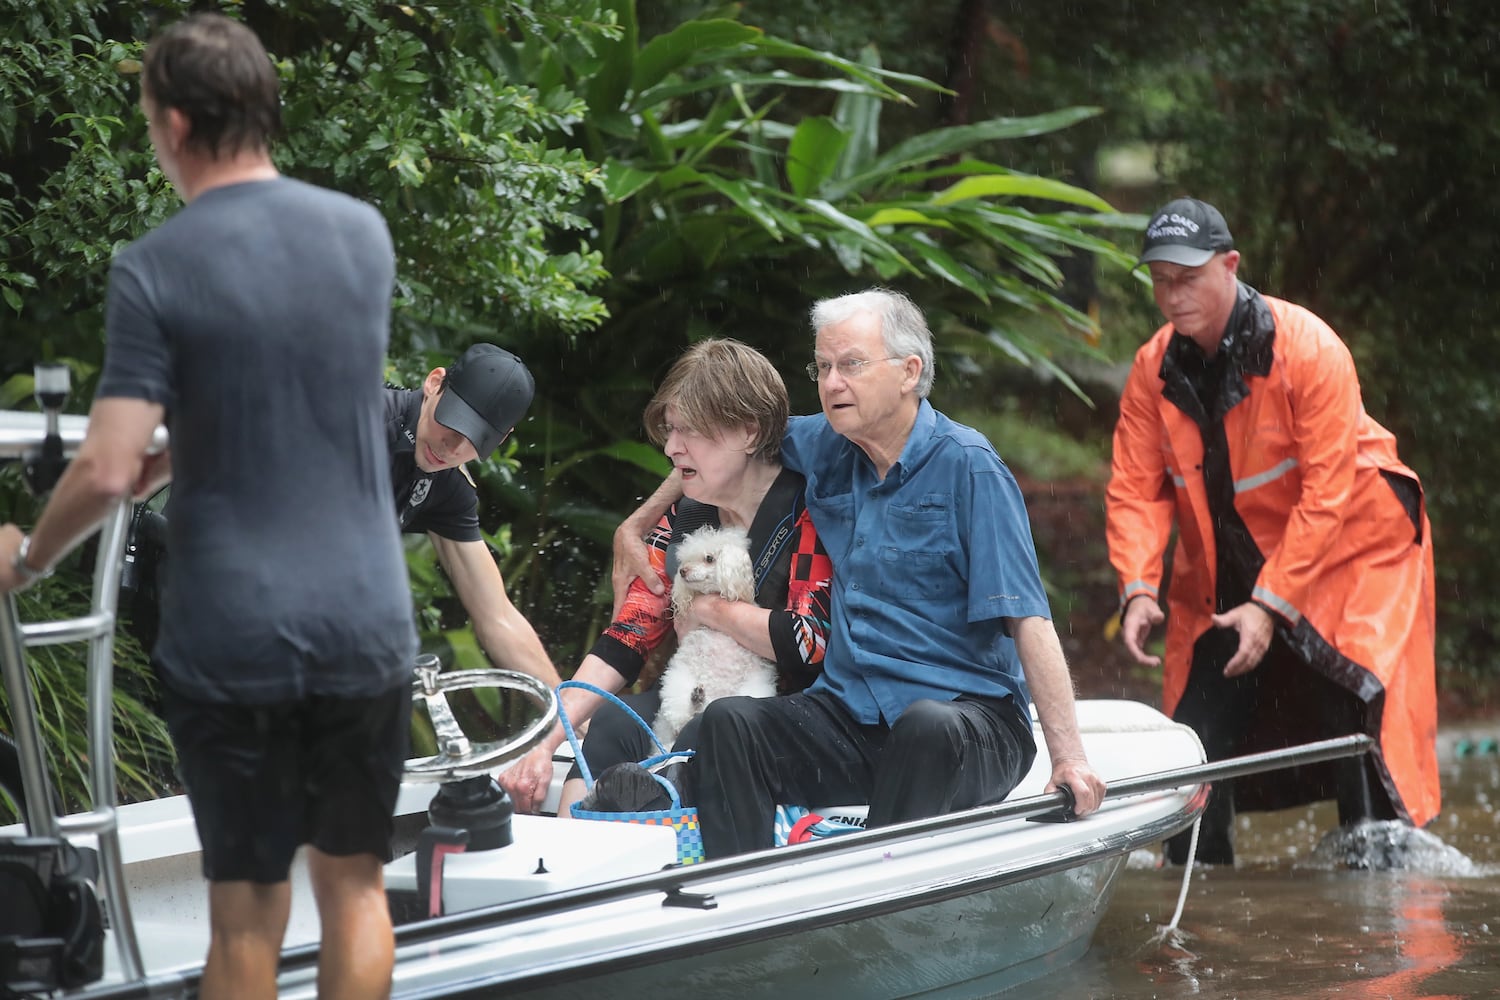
x: 942, y: 634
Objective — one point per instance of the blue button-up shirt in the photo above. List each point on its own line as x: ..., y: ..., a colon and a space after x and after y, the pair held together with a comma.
x: 926, y: 563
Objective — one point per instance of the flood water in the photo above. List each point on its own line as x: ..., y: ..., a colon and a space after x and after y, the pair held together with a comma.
x: 1284, y: 924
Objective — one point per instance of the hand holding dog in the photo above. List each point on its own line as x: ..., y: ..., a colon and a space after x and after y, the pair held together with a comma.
x: 703, y: 612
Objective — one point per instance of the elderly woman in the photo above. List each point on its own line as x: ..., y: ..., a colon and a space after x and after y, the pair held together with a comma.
x: 719, y: 415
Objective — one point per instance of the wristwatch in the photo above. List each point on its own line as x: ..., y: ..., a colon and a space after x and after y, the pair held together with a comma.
x: 24, y: 572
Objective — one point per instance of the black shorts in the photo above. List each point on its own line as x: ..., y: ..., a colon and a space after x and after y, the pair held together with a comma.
x: 265, y: 779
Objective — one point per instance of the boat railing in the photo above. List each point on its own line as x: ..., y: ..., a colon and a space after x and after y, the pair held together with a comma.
x: 44, y: 442
x: 674, y: 882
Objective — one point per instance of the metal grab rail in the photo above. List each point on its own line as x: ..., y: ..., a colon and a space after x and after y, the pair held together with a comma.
x: 69, y: 630
x: 20, y: 435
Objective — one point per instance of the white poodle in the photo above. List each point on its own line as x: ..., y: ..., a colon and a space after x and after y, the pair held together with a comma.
x: 709, y: 664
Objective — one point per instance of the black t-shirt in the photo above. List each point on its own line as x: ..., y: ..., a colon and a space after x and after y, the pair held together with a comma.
x: 445, y: 502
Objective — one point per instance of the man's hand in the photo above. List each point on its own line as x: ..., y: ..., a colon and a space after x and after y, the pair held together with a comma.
x: 1255, y: 626
x: 156, y: 471
x: 1142, y: 615
x: 631, y: 562
x: 10, y: 542
x: 528, y: 780
x: 1046, y: 672
x: 1088, y: 787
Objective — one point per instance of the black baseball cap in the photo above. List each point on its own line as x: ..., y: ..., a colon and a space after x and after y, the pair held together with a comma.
x: 484, y: 396
x: 1187, y: 232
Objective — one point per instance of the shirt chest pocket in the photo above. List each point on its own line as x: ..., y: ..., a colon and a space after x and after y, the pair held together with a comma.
x: 919, y: 556
x: 833, y: 515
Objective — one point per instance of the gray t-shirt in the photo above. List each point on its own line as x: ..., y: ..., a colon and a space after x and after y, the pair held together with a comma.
x: 258, y: 316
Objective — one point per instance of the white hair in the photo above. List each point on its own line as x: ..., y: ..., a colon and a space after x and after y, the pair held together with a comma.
x: 903, y: 329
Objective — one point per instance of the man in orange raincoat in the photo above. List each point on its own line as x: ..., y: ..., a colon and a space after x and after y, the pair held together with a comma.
x: 1301, y: 602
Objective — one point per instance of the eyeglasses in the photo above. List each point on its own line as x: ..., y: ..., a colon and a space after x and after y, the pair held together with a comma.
x: 849, y: 368
x: 665, y: 431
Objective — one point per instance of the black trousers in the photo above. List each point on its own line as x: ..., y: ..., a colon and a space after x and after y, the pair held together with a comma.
x: 1221, y: 710
x: 806, y: 749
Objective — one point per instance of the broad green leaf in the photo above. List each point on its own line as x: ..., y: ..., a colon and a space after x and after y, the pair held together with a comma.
x: 677, y: 177
x: 904, y: 217
x: 872, y: 239
x: 745, y: 199
x: 705, y: 237
x: 729, y: 77
x: 873, y: 75
x: 551, y: 72
x: 1058, y: 229
x: 967, y: 167
x: 762, y: 157
x: 1025, y: 256
x: 1019, y: 186
x: 859, y: 116
x: 848, y: 250
x: 643, y: 456
x: 614, y: 123
x: 718, y: 130
x: 556, y: 469
x: 15, y: 389
x: 813, y: 154
x: 622, y: 181
x: 1039, y: 356
x: 651, y: 135
x: 942, y: 142
x: 606, y: 89
x: 695, y: 39
x: 941, y: 263
x: 468, y: 656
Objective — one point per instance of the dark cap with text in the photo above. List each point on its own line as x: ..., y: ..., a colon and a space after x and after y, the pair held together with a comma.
x: 485, y: 395
x: 1187, y: 232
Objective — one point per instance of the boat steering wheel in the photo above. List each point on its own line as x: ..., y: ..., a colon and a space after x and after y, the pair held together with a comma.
x: 459, y: 757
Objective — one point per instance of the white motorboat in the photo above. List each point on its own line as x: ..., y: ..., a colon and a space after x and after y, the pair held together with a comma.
x: 960, y: 905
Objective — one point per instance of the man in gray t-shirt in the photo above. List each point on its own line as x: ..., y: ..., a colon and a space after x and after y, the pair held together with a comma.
x: 287, y: 569
x: 254, y: 323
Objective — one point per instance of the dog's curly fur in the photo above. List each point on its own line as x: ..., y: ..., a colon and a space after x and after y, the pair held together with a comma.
x: 709, y: 664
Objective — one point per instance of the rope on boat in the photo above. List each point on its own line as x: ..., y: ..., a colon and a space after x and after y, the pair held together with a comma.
x: 1170, y: 934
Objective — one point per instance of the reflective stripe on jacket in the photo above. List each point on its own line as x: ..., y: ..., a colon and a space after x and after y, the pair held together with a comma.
x: 1347, y: 570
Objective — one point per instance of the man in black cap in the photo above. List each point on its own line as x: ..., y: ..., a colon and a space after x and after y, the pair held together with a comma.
x: 459, y: 414
x: 462, y: 413
x: 1301, y: 603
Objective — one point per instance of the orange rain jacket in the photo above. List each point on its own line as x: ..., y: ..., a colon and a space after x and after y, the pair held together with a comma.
x: 1348, y: 570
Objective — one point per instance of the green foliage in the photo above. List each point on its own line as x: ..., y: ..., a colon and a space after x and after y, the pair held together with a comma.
x: 716, y: 193
x: 1036, y: 449
x: 75, y: 174
x: 721, y: 216
x: 479, y: 204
